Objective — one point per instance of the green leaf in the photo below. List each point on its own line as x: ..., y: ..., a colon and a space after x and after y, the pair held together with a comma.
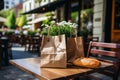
x: 11, y: 20
x: 22, y: 21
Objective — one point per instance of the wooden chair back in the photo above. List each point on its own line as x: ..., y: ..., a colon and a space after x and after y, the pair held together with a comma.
x: 106, y: 53
x: 36, y: 43
x: 86, y: 44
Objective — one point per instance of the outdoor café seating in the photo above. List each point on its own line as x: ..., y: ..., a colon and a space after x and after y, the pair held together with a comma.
x: 32, y: 43
x: 32, y: 65
x: 27, y: 42
x: 36, y: 42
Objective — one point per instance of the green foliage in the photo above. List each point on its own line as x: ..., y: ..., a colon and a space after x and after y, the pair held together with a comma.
x: 89, y: 11
x: 21, y: 21
x: 17, y: 21
x: 44, y: 33
x: 86, y: 13
x: 31, y: 32
x: 49, y: 14
x: 49, y: 19
x: 84, y: 33
x: 4, y: 13
x: 55, y: 29
x: 9, y: 32
x: 74, y: 16
x: 58, y: 30
x: 20, y: 12
x: 66, y: 30
x: 11, y: 19
x: 38, y: 1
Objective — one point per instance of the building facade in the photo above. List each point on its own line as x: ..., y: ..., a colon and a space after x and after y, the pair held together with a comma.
x: 18, y: 8
x: 34, y: 19
x: 105, y: 18
x: 8, y: 4
x: 98, y: 19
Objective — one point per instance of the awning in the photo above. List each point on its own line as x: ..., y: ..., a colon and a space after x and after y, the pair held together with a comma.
x: 47, y: 7
x: 26, y: 26
x: 2, y: 19
x: 37, y: 20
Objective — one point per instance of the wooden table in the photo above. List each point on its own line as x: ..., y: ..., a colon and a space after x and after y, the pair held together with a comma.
x: 32, y: 66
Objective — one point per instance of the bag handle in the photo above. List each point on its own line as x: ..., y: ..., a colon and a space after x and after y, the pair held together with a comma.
x: 48, y: 35
x: 71, y: 33
x: 43, y: 38
x: 59, y: 33
x: 81, y: 39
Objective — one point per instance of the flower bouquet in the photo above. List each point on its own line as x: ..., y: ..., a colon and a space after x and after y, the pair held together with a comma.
x: 67, y: 28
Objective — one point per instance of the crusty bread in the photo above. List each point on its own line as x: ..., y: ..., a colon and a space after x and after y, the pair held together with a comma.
x: 87, y: 62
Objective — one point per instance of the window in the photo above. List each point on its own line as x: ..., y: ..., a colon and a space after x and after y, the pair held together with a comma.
x: 30, y: 6
x: 13, y: 3
x: 7, y: 7
x: 117, y: 14
x: 7, y: 2
x: 86, y: 14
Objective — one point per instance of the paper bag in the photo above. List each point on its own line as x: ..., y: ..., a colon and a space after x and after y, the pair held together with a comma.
x: 75, y: 48
x: 53, y: 51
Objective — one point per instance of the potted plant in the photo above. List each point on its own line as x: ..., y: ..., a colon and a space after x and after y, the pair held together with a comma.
x: 31, y: 32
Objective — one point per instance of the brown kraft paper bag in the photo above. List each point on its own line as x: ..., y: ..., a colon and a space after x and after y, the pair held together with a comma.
x: 53, y: 52
x: 75, y: 48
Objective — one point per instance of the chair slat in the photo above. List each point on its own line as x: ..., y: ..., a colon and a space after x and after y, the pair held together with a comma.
x: 106, y: 45
x: 103, y: 52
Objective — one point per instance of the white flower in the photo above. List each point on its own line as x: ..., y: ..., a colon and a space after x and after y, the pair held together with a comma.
x: 74, y: 25
x: 52, y: 22
x: 63, y: 23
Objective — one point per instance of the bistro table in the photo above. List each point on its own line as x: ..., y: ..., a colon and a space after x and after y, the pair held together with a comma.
x: 32, y: 66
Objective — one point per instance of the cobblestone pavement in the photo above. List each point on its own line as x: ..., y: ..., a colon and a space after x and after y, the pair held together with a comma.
x: 13, y: 73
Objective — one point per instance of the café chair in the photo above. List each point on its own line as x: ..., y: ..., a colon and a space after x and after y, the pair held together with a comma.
x: 10, y: 51
x: 27, y: 43
x: 36, y: 40
x: 95, y: 39
x: 106, y: 52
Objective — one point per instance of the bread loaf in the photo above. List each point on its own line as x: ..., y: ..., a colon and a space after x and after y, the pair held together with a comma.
x: 87, y: 62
